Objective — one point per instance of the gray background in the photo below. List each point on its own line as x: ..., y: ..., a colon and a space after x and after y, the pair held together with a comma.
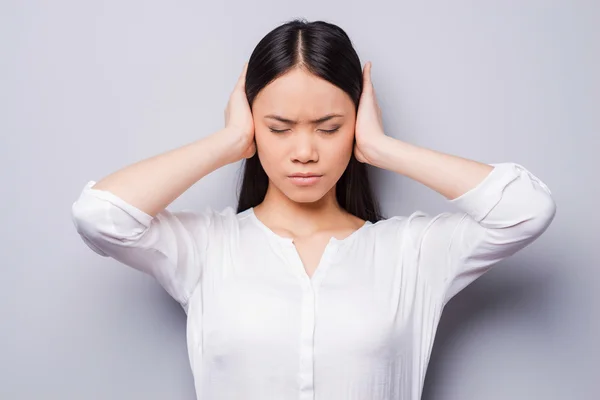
x: 89, y: 87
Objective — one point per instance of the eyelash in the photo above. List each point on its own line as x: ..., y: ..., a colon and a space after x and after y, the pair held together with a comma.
x: 328, y: 131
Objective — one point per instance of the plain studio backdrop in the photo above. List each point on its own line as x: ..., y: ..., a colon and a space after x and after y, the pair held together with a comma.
x: 89, y: 87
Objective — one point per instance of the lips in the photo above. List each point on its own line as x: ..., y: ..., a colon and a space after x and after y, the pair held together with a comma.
x: 305, y: 175
x: 305, y: 179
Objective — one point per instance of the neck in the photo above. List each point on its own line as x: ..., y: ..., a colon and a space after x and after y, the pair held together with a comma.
x: 280, y: 212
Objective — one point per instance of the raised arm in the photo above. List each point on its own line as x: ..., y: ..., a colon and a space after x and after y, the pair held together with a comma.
x: 503, y: 207
x: 125, y: 216
x: 154, y: 183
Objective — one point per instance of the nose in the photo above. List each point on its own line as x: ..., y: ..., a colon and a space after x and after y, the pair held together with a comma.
x: 304, y: 149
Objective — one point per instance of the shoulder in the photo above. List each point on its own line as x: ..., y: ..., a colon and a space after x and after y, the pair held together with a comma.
x: 413, y: 227
x: 402, y: 222
x: 199, y: 222
x: 223, y: 221
x: 211, y: 216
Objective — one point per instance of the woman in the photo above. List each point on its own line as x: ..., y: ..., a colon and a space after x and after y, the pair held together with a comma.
x: 305, y: 292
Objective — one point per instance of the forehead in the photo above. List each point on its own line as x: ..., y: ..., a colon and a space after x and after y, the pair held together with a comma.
x: 300, y: 94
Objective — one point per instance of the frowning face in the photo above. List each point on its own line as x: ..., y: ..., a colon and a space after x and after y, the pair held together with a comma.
x: 304, y: 130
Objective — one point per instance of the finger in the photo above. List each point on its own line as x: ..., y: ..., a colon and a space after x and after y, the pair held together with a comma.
x: 367, y: 74
x: 367, y: 82
x: 242, y: 79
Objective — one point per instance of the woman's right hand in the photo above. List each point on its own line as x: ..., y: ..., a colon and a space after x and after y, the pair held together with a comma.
x: 238, y: 120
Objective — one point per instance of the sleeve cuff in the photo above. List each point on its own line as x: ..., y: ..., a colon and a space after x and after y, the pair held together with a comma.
x: 480, y: 200
x: 139, y: 215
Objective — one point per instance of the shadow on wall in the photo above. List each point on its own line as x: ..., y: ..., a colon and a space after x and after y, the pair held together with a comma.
x: 519, y: 290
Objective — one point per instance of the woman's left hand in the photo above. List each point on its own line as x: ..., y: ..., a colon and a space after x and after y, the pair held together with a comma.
x: 369, y: 124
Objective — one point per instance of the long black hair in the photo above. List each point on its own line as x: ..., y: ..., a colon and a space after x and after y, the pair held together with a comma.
x: 326, y: 51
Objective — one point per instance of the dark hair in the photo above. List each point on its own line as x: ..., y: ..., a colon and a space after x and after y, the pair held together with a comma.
x: 326, y: 51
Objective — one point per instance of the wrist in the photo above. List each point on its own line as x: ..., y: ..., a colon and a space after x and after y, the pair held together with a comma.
x: 376, y: 150
x: 223, y: 147
x: 231, y: 145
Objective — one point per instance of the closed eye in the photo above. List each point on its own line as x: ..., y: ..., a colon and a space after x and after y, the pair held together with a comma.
x: 329, y: 130
x: 278, y: 130
x: 322, y: 130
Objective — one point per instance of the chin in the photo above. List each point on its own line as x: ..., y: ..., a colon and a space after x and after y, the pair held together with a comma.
x: 305, y: 195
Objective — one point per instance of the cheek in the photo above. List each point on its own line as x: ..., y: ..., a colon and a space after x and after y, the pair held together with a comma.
x: 340, y: 150
x: 270, y: 149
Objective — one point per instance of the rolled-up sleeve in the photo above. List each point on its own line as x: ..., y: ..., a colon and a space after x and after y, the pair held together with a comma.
x: 507, y: 211
x: 170, y: 246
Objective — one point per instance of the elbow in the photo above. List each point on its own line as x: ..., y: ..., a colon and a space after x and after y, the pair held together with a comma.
x: 534, y: 200
x: 542, y: 203
x: 86, y: 226
x: 92, y: 220
x: 548, y: 211
x: 84, y: 218
x: 98, y: 221
x: 542, y: 214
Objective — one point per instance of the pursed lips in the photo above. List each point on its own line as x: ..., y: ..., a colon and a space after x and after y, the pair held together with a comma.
x: 305, y: 179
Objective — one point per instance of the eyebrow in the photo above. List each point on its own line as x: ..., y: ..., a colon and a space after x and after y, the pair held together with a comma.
x: 292, y: 122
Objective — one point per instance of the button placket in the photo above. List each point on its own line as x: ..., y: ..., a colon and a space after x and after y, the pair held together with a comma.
x: 308, y: 312
x: 306, y: 372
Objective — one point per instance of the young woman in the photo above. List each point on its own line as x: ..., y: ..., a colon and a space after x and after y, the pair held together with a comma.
x: 305, y: 292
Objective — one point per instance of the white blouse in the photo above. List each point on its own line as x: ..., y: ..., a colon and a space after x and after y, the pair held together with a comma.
x: 362, y: 327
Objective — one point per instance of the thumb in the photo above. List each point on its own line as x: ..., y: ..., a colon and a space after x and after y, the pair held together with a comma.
x: 367, y: 82
x: 241, y: 83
